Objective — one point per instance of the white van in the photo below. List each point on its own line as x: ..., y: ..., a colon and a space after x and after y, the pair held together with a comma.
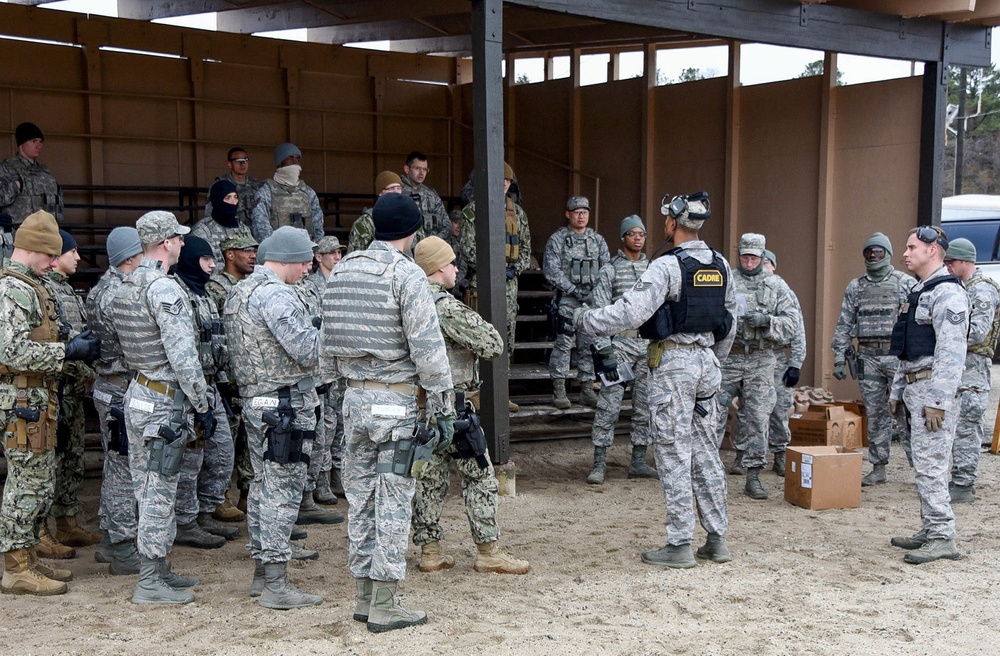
x: 977, y: 218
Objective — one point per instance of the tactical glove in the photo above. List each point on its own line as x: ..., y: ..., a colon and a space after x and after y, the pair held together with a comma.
x: 791, y: 377
x: 605, y: 359
x: 511, y: 271
x: 84, y: 347
x: 759, y: 319
x: 724, y: 397
x: 207, y: 422
x: 317, y: 322
x: 894, y: 407
x: 933, y: 418
x: 840, y: 370
x: 446, y: 429
x: 584, y: 295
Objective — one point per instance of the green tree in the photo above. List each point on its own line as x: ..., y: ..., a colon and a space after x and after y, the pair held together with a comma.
x: 522, y: 79
x: 815, y: 68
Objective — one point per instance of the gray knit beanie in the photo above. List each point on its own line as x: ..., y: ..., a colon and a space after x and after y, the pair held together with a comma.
x: 770, y: 257
x: 961, y: 249
x: 880, y: 240
x: 283, y: 151
x: 629, y: 222
x: 288, y: 244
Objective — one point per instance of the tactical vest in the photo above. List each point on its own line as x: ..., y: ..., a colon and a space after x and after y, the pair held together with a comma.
x: 366, y: 285
x: 988, y: 346
x: 259, y: 363
x: 878, y: 305
x: 48, y: 330
x: 581, y: 268
x: 912, y: 340
x: 761, y: 295
x: 112, y: 361
x: 39, y: 190
x: 464, y: 374
x: 211, y: 336
x: 627, y: 272
x: 138, y: 332
x: 287, y: 202
x: 68, y: 304
x: 511, y: 227
x: 701, y: 305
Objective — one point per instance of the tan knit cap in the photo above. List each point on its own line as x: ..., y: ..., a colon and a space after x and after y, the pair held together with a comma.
x: 386, y: 178
x: 432, y: 254
x: 39, y: 233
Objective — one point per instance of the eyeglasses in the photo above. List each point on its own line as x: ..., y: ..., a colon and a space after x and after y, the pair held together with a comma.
x: 632, y: 234
x: 240, y: 160
x: 932, y: 234
x: 874, y: 253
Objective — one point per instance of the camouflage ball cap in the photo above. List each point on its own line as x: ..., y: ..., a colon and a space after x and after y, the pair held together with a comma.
x: 158, y: 225
x: 238, y: 241
x: 752, y: 243
x: 329, y: 244
x: 577, y: 203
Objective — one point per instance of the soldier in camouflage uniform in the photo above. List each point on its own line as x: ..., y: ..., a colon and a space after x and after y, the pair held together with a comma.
x: 380, y: 325
x: 614, y: 280
x: 363, y: 228
x: 246, y: 187
x: 788, y: 359
x: 453, y: 239
x: 517, y: 254
x: 869, y: 310
x: 330, y: 431
x: 431, y: 208
x: 930, y: 340
x: 25, y: 185
x: 468, y: 337
x: 275, y: 352
x: 239, y: 252
x: 154, y: 321
x: 984, y: 328
x: 224, y: 219
x: 31, y: 359
x: 6, y: 236
x: 684, y: 376
x: 117, y: 507
x: 574, y: 255
x: 208, y: 464
x: 285, y: 199
x: 769, y: 320
x: 73, y: 387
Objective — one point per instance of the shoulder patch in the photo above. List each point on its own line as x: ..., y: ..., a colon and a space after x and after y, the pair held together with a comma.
x: 641, y: 285
x: 955, y: 317
x: 173, y: 308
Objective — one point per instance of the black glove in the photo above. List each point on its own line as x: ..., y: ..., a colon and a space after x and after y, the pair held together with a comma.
x: 207, y: 422
x: 84, y: 347
x: 317, y: 322
x: 511, y: 271
x: 584, y: 295
x: 605, y: 359
x: 791, y: 377
x: 840, y: 370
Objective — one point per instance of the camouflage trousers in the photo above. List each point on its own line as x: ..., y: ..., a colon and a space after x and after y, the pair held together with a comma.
x: 752, y: 376
x: 479, y: 491
x: 609, y: 399
x: 686, y: 445
x: 559, y: 361
x: 974, y: 394
x: 69, y: 452
x: 145, y: 412
x: 931, y: 454
x: 242, y: 465
x: 207, y: 469
x: 378, y: 524
x: 329, y: 450
x: 320, y: 449
x: 117, y: 509
x: 778, y: 434
x: 876, y: 373
x: 276, y: 490
x: 29, y: 490
x: 186, y: 505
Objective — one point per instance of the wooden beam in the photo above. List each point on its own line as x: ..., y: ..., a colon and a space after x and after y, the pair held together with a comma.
x: 648, y: 191
x: 911, y: 8
x: 487, y: 130
x: 825, y: 318
x: 985, y: 10
x: 813, y: 26
x: 935, y: 99
x: 153, y: 9
x: 389, y: 30
x: 731, y: 227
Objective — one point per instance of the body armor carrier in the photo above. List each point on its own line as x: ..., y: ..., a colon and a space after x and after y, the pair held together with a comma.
x: 48, y: 329
x: 701, y: 305
x: 912, y: 340
x: 988, y: 346
x: 259, y: 363
x: 211, y: 334
x: 512, y: 242
x: 761, y: 296
x: 464, y: 374
x: 138, y: 331
x: 112, y: 361
x: 290, y: 206
x: 583, y: 270
x: 878, y: 305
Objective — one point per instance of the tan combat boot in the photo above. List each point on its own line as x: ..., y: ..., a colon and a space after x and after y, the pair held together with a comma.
x: 72, y: 534
x: 54, y: 573
x: 241, y: 505
x: 432, y: 560
x: 49, y: 547
x: 227, y: 512
x: 20, y: 578
x: 492, y: 558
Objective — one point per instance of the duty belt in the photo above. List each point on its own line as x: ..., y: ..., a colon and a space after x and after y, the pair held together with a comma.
x: 156, y: 385
x: 874, y: 348
x: 402, y: 388
x: 914, y: 376
x: 747, y: 347
x: 118, y: 381
x: 669, y: 344
x: 24, y: 381
x: 631, y: 334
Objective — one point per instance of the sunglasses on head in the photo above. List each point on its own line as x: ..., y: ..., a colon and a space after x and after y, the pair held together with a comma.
x: 930, y: 235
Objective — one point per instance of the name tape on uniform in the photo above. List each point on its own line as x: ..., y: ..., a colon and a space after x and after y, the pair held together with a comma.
x: 389, y: 411
x: 143, y: 406
x: 264, y: 402
x: 103, y: 397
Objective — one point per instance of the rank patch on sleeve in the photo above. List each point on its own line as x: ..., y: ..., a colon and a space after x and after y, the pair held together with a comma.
x: 955, y: 317
x: 173, y: 308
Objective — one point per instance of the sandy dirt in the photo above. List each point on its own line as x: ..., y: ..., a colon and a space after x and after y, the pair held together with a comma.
x: 801, y: 582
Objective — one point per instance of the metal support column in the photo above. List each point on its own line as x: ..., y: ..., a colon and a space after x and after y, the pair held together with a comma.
x: 932, y: 143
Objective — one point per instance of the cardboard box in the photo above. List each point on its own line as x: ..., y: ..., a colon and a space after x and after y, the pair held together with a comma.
x: 857, y: 407
x: 826, y: 424
x: 822, y: 477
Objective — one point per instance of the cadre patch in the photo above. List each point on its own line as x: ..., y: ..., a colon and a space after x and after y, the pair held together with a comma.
x: 708, y: 278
